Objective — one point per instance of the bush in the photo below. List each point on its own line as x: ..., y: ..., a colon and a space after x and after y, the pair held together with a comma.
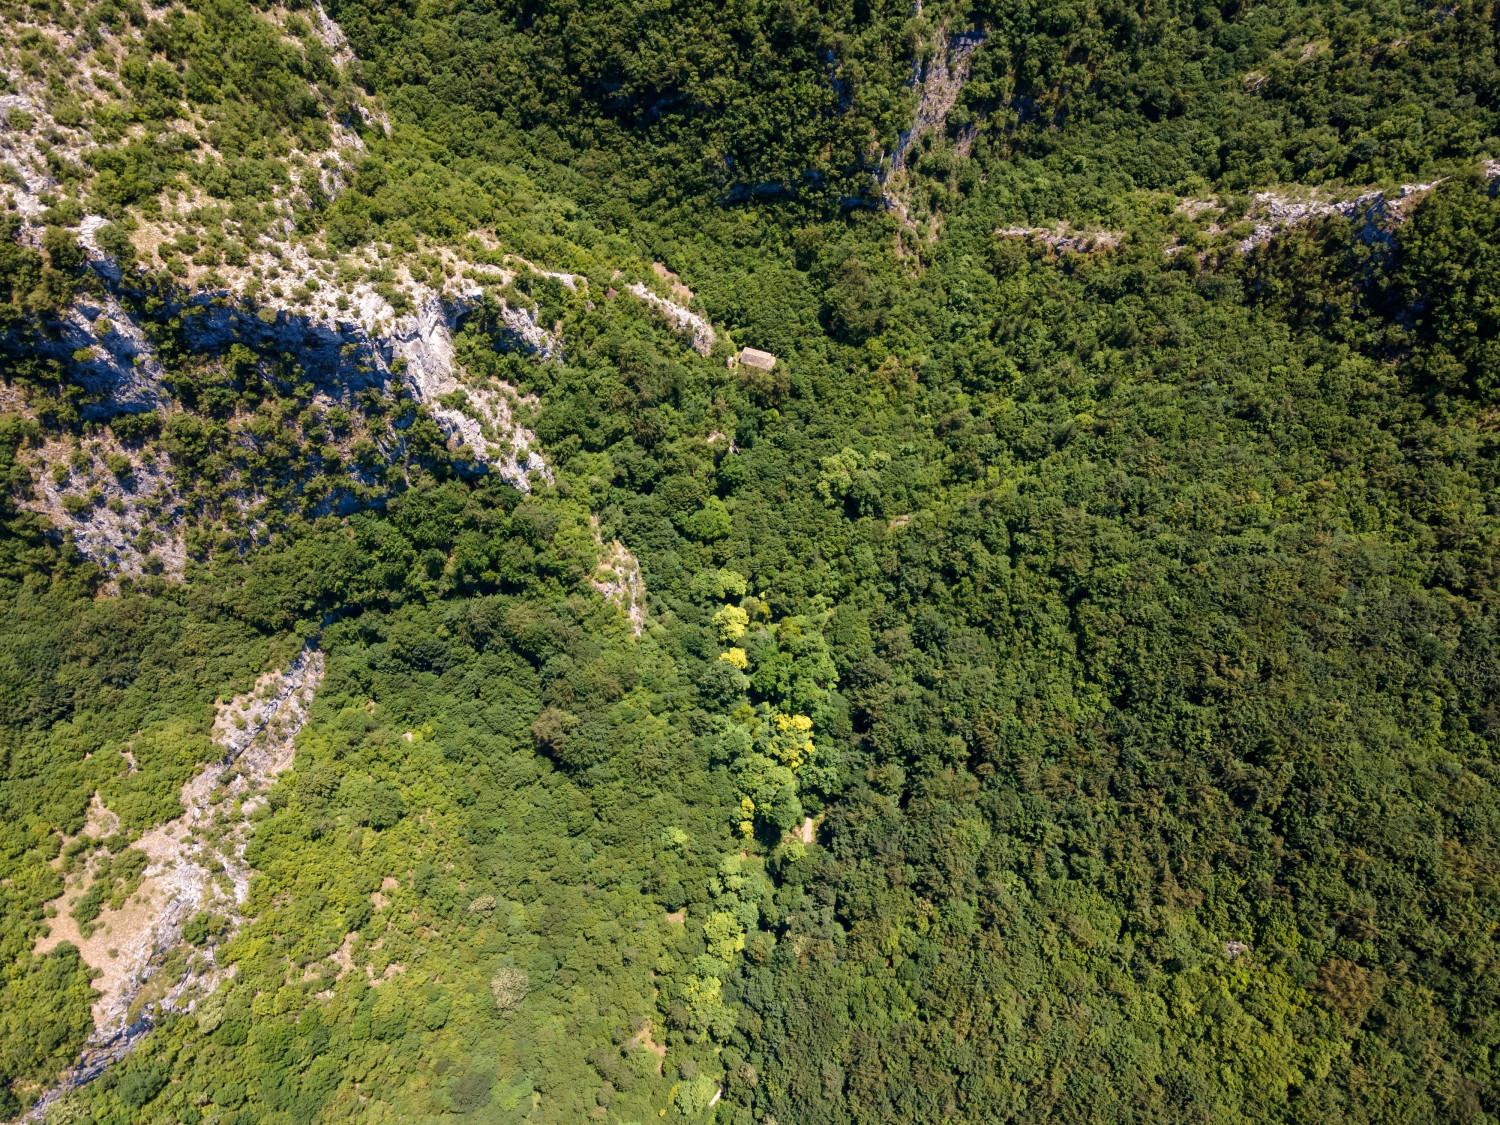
x: 132, y: 429
x: 139, y: 1087
x: 385, y: 807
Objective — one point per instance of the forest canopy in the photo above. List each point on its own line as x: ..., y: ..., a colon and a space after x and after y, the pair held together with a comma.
x: 1064, y: 686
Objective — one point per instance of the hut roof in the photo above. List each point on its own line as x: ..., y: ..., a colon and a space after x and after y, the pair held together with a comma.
x: 754, y: 357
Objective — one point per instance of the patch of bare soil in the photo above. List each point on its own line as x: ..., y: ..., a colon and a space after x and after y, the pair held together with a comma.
x: 100, y: 822
x: 642, y: 1038
x: 678, y: 288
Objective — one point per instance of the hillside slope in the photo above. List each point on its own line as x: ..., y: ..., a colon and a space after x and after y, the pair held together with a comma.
x: 439, y: 679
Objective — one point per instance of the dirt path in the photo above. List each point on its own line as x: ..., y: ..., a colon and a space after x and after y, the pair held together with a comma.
x: 642, y: 1038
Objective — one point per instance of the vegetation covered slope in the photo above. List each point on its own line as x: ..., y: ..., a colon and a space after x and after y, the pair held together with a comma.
x: 1070, y: 683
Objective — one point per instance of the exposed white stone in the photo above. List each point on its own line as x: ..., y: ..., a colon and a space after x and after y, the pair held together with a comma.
x: 190, y: 871
x: 681, y: 319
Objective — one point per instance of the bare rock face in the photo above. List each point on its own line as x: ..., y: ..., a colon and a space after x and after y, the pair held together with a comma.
x: 1375, y: 213
x: 618, y: 578
x: 483, y: 423
x: 121, y: 362
x: 1062, y: 238
x: 682, y: 319
x: 348, y: 354
x: 938, y: 83
x: 197, y: 863
x: 1274, y: 212
x: 131, y: 523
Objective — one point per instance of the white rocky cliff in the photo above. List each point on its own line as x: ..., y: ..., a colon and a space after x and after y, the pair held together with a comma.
x: 196, y: 865
x: 379, y: 316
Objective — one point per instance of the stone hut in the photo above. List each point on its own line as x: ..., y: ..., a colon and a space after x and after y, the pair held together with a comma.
x: 754, y: 357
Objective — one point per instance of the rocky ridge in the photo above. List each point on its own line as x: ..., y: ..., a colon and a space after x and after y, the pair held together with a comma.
x: 378, y: 316
x: 333, y: 313
x: 938, y: 81
x: 1377, y: 212
x: 1273, y: 212
x: 197, y: 864
x: 681, y: 319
